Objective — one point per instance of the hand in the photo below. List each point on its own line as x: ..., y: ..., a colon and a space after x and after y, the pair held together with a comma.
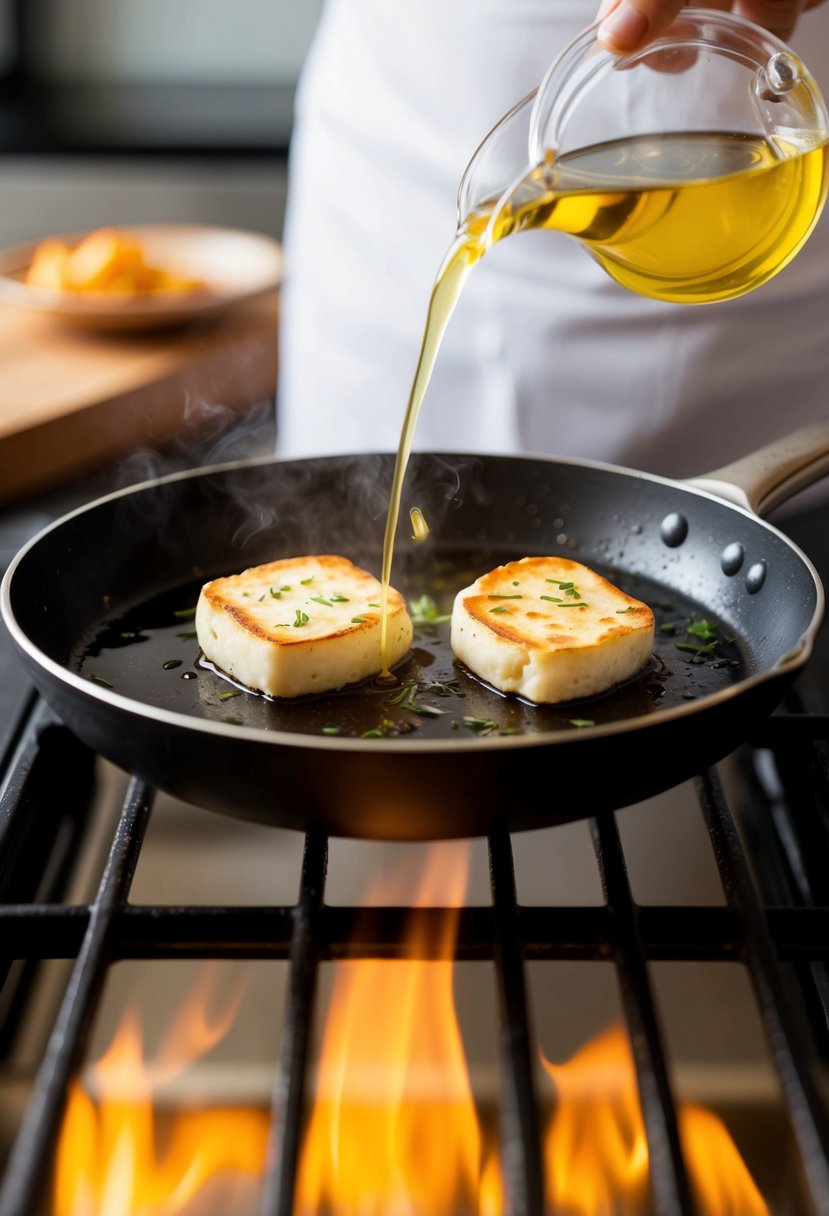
x: 628, y: 24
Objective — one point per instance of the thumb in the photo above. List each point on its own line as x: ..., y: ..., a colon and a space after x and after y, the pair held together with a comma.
x: 624, y: 25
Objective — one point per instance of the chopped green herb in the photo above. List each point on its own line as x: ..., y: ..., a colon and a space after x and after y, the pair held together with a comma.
x: 318, y: 599
x: 303, y: 582
x: 625, y: 611
x: 100, y: 680
x: 336, y: 598
x: 330, y: 730
x: 227, y: 696
x: 551, y: 599
x: 302, y: 618
x: 261, y: 597
x: 409, y: 689
x: 668, y: 627
x: 372, y: 734
x: 184, y: 614
x: 188, y: 633
x: 444, y: 688
x: 343, y: 600
x: 702, y: 629
x: 425, y: 711
x: 506, y: 597
x: 425, y: 612
x: 582, y: 722
x: 568, y: 588
x: 285, y: 587
x: 580, y: 604
x: 358, y: 620
x: 275, y: 595
x: 700, y: 653
x: 481, y: 726
x: 499, y: 608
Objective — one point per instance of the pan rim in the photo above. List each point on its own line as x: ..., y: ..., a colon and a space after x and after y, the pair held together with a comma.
x: 794, y: 660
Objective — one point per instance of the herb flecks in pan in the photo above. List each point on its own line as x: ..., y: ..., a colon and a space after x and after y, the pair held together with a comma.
x: 702, y: 640
x: 424, y: 611
x: 434, y: 698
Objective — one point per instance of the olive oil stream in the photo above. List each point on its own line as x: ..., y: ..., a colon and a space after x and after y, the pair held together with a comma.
x: 687, y: 219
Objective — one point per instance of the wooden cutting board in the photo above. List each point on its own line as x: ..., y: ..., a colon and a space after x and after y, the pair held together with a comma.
x: 72, y: 399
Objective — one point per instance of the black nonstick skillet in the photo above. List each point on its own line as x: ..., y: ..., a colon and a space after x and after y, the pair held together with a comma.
x: 99, y: 605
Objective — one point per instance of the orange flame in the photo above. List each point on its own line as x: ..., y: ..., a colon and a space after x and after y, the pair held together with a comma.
x: 394, y: 1129
x: 595, y: 1147
x: 108, y: 1161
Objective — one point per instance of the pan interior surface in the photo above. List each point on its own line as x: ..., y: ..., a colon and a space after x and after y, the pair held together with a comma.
x: 150, y: 654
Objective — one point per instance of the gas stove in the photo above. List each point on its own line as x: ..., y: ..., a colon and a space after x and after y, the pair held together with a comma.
x: 99, y: 871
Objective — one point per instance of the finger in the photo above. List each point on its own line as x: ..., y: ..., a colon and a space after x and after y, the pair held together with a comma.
x: 626, y: 24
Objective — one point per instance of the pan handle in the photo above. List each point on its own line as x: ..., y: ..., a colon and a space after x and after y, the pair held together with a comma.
x: 773, y: 474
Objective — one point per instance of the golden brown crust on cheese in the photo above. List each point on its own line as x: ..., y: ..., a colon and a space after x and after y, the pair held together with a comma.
x: 550, y: 629
x: 299, y: 625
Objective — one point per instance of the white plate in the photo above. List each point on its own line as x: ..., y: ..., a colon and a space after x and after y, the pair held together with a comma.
x: 234, y: 264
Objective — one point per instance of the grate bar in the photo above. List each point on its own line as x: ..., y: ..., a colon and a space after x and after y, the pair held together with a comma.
x: 521, y: 1154
x: 26, y: 1173
x: 669, y: 1181
x: 42, y: 826
x: 783, y: 727
x: 569, y: 932
x: 787, y: 1030
x: 289, y: 1089
x: 34, y: 810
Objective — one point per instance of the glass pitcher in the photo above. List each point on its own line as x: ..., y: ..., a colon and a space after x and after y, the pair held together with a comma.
x: 693, y: 169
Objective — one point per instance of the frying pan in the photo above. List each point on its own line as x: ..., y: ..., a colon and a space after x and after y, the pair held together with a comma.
x: 99, y: 606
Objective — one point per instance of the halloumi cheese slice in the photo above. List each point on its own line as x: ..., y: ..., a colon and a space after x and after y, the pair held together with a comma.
x: 550, y: 629
x: 300, y: 625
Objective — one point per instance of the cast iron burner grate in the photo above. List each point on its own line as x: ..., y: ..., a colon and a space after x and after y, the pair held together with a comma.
x: 775, y: 921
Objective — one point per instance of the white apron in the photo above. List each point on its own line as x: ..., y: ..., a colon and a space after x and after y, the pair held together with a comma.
x: 545, y: 353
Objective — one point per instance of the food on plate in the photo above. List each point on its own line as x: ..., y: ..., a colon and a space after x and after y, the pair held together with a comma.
x: 299, y: 625
x: 550, y: 629
x: 105, y: 260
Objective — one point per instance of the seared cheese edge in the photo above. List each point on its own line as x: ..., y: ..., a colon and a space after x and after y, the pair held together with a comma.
x: 299, y: 625
x: 550, y: 629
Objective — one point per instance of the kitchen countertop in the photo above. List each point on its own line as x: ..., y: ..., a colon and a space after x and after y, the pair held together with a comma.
x: 74, y: 400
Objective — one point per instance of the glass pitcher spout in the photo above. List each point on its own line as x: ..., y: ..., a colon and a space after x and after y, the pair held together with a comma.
x: 499, y: 162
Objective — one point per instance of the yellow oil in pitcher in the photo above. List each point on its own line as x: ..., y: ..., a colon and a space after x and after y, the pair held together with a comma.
x: 690, y: 219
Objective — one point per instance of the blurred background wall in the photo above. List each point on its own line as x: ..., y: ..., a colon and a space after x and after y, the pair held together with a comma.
x: 113, y: 111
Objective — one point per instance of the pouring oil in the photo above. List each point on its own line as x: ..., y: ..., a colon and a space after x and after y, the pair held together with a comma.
x: 689, y: 219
